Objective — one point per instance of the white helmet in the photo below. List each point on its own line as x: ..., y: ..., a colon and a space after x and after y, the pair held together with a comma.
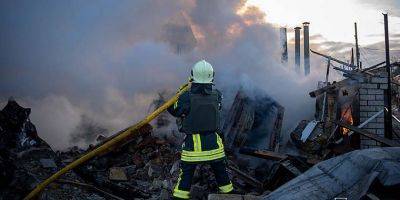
x: 202, y: 72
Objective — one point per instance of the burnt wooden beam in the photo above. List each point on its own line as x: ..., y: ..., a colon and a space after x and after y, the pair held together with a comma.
x: 333, y: 86
x: 91, y: 187
x: 270, y: 155
x: 367, y: 134
x: 245, y: 177
x: 354, y: 74
x: 343, y: 70
x: 373, y: 67
x: 334, y: 59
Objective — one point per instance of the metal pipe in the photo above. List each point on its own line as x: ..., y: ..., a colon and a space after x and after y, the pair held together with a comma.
x: 306, y: 35
x: 283, y: 37
x: 297, y: 48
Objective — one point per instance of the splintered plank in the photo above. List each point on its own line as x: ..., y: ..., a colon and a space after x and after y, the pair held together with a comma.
x: 270, y: 155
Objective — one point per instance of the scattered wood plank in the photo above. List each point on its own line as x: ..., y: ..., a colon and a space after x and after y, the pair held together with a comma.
x: 245, y: 177
x: 270, y: 155
x: 90, y: 187
x: 264, y: 154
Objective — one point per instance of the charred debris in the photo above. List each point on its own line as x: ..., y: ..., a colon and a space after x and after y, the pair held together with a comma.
x: 347, y: 151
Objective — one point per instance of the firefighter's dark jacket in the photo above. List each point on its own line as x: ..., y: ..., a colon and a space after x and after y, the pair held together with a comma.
x: 201, y: 146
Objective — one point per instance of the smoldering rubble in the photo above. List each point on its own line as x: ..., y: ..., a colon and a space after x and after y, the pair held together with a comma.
x: 260, y: 164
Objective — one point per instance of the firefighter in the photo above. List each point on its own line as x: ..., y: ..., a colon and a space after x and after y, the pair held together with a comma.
x: 198, y: 113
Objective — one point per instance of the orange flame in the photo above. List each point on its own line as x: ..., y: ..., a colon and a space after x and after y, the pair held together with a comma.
x: 347, y: 118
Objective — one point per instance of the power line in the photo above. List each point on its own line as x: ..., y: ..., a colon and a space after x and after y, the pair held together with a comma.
x: 380, y: 49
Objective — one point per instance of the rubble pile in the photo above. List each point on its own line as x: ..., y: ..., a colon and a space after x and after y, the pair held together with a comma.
x: 146, y: 167
x: 143, y: 166
x: 26, y: 159
x: 146, y: 164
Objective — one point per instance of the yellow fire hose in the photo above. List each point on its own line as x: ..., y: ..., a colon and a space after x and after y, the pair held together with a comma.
x: 107, y: 145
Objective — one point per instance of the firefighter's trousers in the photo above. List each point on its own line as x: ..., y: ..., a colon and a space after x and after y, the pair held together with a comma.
x: 202, y: 149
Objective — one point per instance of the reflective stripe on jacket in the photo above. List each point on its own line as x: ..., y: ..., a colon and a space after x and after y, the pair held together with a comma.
x: 202, y: 147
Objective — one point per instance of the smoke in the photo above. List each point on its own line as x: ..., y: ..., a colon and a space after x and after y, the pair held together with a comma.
x: 107, y: 61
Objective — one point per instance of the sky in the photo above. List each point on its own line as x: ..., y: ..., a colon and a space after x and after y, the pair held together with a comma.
x: 334, y: 20
x: 102, y: 63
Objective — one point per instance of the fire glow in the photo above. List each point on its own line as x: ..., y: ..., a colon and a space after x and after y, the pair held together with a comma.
x: 347, y: 117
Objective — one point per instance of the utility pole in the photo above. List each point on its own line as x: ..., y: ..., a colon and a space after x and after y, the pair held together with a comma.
x: 352, y: 57
x: 357, y: 48
x: 388, y: 91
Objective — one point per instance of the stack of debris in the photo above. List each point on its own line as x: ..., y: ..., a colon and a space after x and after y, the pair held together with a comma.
x: 146, y: 166
x: 26, y: 159
x: 251, y: 117
x: 143, y: 166
x: 254, y: 121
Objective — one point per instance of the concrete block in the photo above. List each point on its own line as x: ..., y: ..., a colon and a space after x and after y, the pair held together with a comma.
x: 379, y: 97
x: 380, y: 119
x: 369, y: 85
x: 367, y: 97
x: 367, y: 108
x: 383, y: 74
x: 375, y: 125
x: 364, y: 114
x: 370, y: 114
x: 375, y: 91
x: 379, y: 108
x: 117, y: 174
x: 375, y: 103
x: 363, y: 91
x: 383, y: 86
x: 370, y: 130
x: 379, y: 80
x: 364, y: 103
x: 363, y: 119
x: 380, y: 132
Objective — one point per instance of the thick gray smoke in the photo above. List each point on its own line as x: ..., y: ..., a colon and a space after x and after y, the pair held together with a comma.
x: 107, y: 61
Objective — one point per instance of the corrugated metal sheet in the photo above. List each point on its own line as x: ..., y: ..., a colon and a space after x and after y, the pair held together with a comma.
x: 347, y: 176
